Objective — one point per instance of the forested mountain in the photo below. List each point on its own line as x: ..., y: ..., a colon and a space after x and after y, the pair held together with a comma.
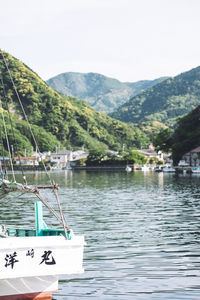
x: 184, y: 138
x: 164, y: 102
x: 103, y: 93
x: 56, y: 119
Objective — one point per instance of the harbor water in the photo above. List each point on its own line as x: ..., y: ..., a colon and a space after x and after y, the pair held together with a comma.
x: 142, y: 231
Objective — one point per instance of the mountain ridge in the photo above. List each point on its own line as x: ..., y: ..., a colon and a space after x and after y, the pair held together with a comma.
x: 164, y: 102
x: 101, y: 92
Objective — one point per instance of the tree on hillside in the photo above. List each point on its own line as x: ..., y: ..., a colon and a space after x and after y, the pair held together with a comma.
x: 184, y: 138
x: 134, y: 157
x: 95, y: 156
x: 163, y: 141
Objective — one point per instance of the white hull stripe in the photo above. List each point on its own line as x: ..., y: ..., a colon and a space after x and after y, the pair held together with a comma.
x: 28, y: 285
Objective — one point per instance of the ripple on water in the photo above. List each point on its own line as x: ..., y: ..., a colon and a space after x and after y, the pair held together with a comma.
x: 142, y: 233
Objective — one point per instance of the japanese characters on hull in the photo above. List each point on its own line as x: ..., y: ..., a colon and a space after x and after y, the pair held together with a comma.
x: 47, y: 258
x: 25, y: 262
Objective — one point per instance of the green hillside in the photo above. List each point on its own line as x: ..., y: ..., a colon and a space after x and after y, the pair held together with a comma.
x: 103, y: 93
x: 184, y: 138
x: 58, y: 119
x: 164, y: 102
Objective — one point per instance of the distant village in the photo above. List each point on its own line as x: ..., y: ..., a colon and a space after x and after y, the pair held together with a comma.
x: 64, y: 159
x: 61, y: 159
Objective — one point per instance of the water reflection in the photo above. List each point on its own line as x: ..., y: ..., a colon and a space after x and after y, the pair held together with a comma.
x: 142, y: 232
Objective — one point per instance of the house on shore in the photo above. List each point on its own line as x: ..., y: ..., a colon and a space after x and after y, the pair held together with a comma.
x: 26, y: 160
x: 192, y: 158
x: 62, y: 158
x: 151, y: 154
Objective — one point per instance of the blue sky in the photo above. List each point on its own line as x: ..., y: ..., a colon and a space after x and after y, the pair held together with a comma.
x: 129, y: 40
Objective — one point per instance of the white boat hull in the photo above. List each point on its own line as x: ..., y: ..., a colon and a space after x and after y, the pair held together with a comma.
x: 169, y: 170
x: 32, y: 264
x: 145, y: 168
x: 128, y: 169
x: 195, y: 170
x: 28, y: 287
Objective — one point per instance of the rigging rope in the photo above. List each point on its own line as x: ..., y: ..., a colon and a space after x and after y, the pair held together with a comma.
x: 61, y: 214
x: 51, y: 209
x: 25, y: 116
x: 4, y: 161
x: 61, y: 218
x: 12, y: 128
x: 8, y: 145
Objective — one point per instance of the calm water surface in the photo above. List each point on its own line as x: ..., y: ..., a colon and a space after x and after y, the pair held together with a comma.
x: 142, y: 232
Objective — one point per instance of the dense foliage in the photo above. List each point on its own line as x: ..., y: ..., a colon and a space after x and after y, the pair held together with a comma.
x: 164, y: 102
x: 134, y: 157
x: 102, y: 158
x: 102, y: 93
x: 184, y: 138
x: 57, y: 118
x: 21, y: 140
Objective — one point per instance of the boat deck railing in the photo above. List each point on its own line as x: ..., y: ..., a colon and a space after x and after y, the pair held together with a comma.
x: 8, y: 231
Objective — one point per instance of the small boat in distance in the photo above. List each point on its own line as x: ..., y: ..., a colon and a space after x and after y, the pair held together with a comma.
x: 158, y: 169
x: 128, y: 169
x: 145, y: 168
x: 168, y: 169
x: 195, y: 170
x: 69, y: 167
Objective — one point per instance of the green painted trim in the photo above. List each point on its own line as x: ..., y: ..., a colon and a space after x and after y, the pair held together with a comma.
x: 40, y: 224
